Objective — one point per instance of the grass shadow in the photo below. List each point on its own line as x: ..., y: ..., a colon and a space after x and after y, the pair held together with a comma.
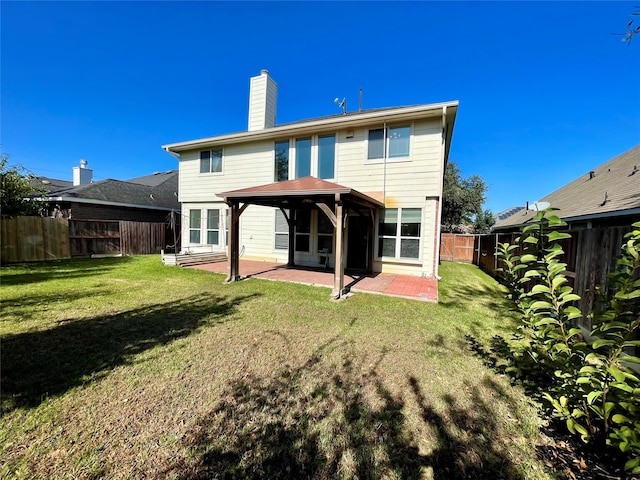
x: 44, y: 363
x: 26, y: 273
x: 334, y: 421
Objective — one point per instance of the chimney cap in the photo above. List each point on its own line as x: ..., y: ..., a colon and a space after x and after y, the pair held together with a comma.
x: 264, y: 71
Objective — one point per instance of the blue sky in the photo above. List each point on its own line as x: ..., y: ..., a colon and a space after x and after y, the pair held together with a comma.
x: 546, y: 91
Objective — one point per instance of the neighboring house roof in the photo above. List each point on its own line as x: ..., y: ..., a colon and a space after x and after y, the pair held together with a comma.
x: 50, y: 184
x: 157, y: 191
x: 609, y: 190
x: 446, y: 110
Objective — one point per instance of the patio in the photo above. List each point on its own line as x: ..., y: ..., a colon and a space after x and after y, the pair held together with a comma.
x: 406, y: 286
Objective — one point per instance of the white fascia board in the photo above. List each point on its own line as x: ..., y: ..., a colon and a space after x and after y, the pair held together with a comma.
x: 317, y: 126
x: 594, y: 216
x: 101, y: 202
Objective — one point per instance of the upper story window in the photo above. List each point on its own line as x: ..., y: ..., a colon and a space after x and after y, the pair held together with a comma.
x: 326, y: 156
x: 303, y: 157
x: 211, y: 161
x: 281, y: 170
x: 395, y: 145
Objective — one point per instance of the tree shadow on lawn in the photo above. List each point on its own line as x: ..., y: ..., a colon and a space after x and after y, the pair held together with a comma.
x: 322, y: 421
x: 58, y: 270
x: 44, y: 363
x: 461, y: 295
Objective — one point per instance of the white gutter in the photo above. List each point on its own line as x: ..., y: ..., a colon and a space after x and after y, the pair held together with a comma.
x: 315, y: 126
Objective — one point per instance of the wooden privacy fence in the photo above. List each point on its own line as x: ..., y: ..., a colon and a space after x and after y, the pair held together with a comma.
x: 33, y: 239
x: 456, y: 247
x: 590, y: 255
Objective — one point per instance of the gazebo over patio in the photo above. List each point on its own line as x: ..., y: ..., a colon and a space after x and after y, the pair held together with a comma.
x: 335, y: 201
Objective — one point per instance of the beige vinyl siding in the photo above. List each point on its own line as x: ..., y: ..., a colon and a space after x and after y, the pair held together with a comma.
x: 408, y: 180
x: 244, y: 165
x: 257, y: 235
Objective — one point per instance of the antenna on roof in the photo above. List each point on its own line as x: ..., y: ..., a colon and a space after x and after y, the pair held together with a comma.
x: 342, y: 104
x: 537, y: 206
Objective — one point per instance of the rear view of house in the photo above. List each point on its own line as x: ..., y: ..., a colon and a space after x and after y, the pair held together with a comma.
x: 359, y: 190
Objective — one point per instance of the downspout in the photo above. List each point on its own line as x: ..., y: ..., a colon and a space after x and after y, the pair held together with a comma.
x: 384, y: 163
x: 444, y: 166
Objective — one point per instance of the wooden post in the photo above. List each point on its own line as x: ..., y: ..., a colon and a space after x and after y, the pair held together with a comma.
x: 234, y: 243
x: 338, y: 277
x: 291, y: 262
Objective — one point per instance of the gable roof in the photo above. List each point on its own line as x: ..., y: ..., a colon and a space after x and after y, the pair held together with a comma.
x: 611, y: 189
x: 157, y: 191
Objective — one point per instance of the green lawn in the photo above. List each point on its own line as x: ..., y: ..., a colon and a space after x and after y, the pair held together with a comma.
x: 124, y: 368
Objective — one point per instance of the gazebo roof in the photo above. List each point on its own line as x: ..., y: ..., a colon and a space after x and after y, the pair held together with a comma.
x: 291, y: 192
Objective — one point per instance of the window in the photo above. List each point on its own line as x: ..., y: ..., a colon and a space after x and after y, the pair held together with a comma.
x: 396, y: 145
x: 376, y: 143
x: 213, y: 227
x: 211, y: 161
x: 282, y: 231
x: 303, y: 230
x: 399, y: 233
x: 303, y: 157
x: 194, y: 226
x: 281, y: 161
x: 326, y: 156
x: 325, y: 232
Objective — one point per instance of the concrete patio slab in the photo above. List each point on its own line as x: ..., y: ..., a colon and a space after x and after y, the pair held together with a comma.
x: 405, y: 286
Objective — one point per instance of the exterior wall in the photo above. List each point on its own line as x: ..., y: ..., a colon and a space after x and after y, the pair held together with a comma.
x: 412, y: 182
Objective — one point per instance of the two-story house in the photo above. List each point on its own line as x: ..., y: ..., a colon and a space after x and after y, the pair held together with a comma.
x: 358, y: 190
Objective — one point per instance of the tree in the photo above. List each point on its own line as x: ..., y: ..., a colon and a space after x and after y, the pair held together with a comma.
x: 484, y: 221
x: 17, y: 194
x: 462, y: 200
x: 631, y: 31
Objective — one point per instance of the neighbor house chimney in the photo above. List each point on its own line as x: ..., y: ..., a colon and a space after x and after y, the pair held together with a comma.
x: 263, y: 93
x: 82, y: 175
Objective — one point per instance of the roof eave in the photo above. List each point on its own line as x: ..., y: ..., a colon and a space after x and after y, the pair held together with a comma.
x: 101, y: 202
x: 314, y: 126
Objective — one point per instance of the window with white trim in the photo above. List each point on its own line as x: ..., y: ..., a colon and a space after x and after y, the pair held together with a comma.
x: 281, y: 231
x: 303, y: 157
x: 281, y: 160
x: 325, y: 233
x: 213, y: 227
x: 326, y: 156
x: 399, y: 233
x: 395, y: 145
x: 194, y: 226
x: 211, y: 161
x: 303, y: 230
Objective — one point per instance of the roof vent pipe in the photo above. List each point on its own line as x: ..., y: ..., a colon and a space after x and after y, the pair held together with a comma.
x: 592, y: 174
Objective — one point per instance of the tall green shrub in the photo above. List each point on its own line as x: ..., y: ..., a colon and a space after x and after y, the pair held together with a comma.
x: 587, y: 383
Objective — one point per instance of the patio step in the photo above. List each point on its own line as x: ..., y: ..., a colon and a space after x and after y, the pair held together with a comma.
x: 188, y: 259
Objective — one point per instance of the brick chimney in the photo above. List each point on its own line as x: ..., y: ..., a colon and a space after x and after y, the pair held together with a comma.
x: 82, y: 175
x: 263, y: 93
